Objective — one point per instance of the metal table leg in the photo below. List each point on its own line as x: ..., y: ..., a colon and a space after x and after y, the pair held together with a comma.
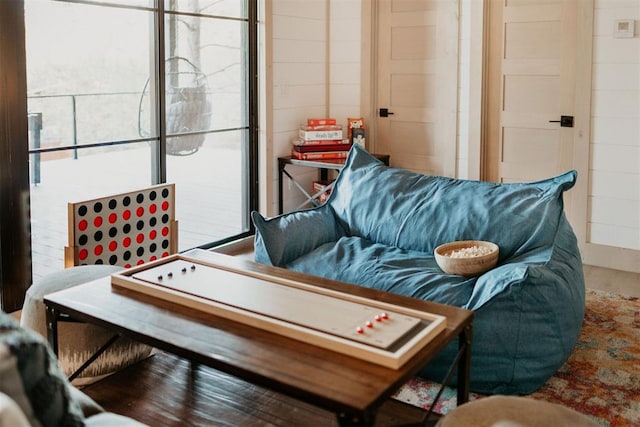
x: 52, y: 316
x: 464, y: 364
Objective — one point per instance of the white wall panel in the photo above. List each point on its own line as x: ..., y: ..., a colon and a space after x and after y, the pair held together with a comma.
x: 608, y: 11
x: 298, y: 73
x: 345, y: 95
x: 294, y: 28
x: 344, y: 59
x: 618, y: 158
x: 616, y: 103
x: 344, y: 73
x: 345, y: 51
x: 348, y: 10
x: 616, y: 236
x: 306, y: 51
x: 316, y: 72
x: 300, y: 8
x: 615, y: 130
x: 299, y: 46
x: 470, y: 104
x: 289, y: 119
x: 617, y: 51
x: 617, y: 76
x: 301, y: 96
x: 614, y: 199
x: 614, y: 184
x: 615, y: 212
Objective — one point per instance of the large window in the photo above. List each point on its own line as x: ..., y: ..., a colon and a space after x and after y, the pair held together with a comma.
x: 123, y: 94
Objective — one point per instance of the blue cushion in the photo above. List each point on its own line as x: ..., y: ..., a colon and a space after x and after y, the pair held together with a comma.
x: 380, y: 226
x: 418, y: 212
x: 357, y: 260
x: 284, y: 238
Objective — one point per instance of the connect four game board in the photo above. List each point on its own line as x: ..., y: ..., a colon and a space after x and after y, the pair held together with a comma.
x: 126, y: 229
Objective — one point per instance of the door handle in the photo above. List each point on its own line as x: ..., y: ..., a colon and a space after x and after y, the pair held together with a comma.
x: 384, y: 112
x: 565, y: 121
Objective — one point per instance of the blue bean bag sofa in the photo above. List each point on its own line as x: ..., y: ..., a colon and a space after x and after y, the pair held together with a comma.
x: 380, y: 226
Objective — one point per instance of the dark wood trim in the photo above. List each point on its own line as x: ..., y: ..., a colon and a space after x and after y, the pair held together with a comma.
x: 15, y: 228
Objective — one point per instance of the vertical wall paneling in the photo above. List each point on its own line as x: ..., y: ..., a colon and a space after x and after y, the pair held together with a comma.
x: 267, y: 175
x: 299, y: 66
x: 606, y: 149
x: 613, y: 204
x: 471, y: 51
x: 614, y: 199
x: 469, y: 151
x: 368, y: 72
x: 345, y: 51
x: 315, y: 64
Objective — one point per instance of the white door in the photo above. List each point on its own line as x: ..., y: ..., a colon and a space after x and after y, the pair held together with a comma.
x: 417, y: 73
x: 540, y: 60
x: 531, y: 87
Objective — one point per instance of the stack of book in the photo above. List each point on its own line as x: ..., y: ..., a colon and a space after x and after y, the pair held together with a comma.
x: 320, y: 139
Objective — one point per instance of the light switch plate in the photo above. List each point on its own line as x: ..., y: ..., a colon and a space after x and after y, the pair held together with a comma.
x: 623, y: 28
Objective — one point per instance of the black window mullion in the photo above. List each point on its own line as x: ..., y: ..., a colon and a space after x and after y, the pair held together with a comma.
x: 253, y: 108
x: 159, y: 150
x: 15, y: 239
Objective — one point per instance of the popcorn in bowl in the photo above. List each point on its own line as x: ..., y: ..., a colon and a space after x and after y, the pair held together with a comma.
x: 467, y: 257
x: 470, y: 252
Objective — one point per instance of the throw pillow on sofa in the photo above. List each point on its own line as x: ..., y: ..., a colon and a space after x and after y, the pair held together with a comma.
x: 31, y: 377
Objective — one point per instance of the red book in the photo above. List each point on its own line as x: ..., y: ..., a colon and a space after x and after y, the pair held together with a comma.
x: 321, y: 155
x: 321, y: 147
x: 300, y: 141
x: 321, y: 127
x: 320, y: 122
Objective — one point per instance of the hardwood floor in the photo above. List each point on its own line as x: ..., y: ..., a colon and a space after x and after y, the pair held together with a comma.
x: 165, y: 390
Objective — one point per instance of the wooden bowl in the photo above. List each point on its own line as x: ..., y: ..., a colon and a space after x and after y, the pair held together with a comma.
x: 463, y: 257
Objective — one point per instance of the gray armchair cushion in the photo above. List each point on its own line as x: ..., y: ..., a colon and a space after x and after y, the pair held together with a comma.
x: 78, y: 341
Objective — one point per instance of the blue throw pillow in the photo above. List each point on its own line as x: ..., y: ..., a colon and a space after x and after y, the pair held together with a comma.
x: 282, y: 239
x: 32, y: 377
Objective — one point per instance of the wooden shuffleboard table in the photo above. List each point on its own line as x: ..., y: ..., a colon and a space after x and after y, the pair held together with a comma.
x: 341, y: 347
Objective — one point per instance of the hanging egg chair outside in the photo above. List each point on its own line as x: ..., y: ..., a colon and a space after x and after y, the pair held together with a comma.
x: 188, y: 108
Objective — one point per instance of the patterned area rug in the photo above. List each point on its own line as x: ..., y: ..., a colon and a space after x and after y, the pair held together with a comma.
x: 601, y: 378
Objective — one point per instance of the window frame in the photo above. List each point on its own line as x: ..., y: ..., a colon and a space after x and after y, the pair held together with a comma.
x: 16, y: 274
